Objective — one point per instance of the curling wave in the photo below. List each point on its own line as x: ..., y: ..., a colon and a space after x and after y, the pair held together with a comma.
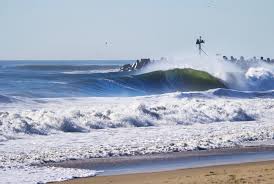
x: 88, y: 114
x: 156, y: 82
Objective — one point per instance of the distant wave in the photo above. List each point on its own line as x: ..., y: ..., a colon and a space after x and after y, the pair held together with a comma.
x: 52, y: 67
x: 157, y: 82
x: 103, y: 70
x: 164, y: 81
x: 76, y: 79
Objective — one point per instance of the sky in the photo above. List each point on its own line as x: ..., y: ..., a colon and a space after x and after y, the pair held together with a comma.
x: 79, y: 29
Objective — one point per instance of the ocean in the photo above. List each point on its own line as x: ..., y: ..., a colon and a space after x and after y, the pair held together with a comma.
x: 55, y: 111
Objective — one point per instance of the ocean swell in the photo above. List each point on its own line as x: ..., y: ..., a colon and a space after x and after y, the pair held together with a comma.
x: 157, y: 82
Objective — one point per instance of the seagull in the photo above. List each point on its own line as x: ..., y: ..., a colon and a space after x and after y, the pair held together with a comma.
x: 107, y: 43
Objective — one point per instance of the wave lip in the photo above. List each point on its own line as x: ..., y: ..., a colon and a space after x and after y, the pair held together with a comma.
x: 242, y: 94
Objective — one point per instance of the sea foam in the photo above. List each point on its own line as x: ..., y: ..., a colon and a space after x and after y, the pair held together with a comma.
x: 41, y: 131
x: 87, y: 114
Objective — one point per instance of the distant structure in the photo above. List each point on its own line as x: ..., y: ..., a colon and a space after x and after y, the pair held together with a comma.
x: 199, y: 42
x: 245, y: 63
x: 139, y: 64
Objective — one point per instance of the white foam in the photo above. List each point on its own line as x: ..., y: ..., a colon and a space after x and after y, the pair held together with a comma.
x: 243, y: 75
x: 86, y: 114
x: 260, y: 78
x: 82, y: 128
x: 41, y: 174
x: 91, y: 71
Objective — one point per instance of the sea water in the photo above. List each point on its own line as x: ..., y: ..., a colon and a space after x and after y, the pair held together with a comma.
x: 53, y: 111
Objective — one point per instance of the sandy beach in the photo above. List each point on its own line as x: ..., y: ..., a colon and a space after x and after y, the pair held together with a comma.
x: 257, y: 172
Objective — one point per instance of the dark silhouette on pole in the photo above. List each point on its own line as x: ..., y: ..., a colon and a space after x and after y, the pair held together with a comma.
x: 199, y: 42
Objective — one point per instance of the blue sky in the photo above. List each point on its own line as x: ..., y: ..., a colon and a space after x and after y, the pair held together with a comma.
x: 78, y: 29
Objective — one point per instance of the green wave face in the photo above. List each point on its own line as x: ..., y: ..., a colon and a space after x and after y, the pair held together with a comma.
x: 180, y: 79
x: 157, y: 82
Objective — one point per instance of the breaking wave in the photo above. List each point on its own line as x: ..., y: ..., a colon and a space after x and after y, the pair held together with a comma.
x: 81, y: 80
x: 189, y: 108
x: 87, y: 114
x: 260, y: 78
x: 156, y: 82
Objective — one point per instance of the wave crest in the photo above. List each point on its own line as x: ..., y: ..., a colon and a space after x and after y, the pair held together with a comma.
x: 260, y: 78
x: 167, y: 110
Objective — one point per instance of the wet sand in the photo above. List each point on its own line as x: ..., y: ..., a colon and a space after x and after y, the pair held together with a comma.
x: 257, y: 172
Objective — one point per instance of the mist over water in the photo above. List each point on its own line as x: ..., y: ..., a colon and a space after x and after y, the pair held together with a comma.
x: 248, y: 75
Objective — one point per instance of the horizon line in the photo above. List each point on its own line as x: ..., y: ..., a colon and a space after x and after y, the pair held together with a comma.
x: 67, y: 59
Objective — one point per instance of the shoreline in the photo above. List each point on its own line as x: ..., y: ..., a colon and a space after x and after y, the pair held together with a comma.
x: 109, y: 161
x: 171, y: 162
x: 252, y: 172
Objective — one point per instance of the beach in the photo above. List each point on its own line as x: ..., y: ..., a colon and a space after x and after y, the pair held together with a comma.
x: 136, y: 92
x: 254, y: 172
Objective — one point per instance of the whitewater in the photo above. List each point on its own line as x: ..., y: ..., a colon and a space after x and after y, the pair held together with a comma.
x: 60, y: 111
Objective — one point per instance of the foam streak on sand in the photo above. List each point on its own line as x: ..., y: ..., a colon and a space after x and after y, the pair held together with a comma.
x: 258, y: 172
x: 41, y: 174
x: 47, y: 131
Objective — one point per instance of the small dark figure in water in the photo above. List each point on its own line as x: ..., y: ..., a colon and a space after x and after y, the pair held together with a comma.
x: 262, y: 58
x: 225, y: 58
x: 233, y: 59
x: 268, y: 60
x: 242, y: 58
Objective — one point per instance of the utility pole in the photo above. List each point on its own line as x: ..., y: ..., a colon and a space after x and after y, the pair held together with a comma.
x: 199, y: 42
